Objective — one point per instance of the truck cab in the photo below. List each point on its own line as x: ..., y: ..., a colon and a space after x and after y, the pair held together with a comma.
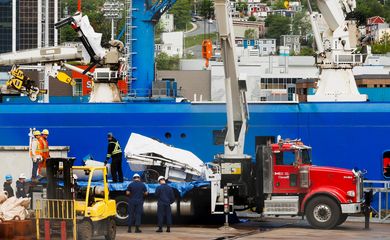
x: 288, y: 184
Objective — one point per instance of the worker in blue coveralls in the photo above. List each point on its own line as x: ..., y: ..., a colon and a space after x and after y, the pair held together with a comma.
x: 165, y: 197
x: 137, y: 192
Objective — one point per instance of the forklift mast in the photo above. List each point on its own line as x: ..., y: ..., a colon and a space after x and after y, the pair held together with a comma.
x: 59, y: 170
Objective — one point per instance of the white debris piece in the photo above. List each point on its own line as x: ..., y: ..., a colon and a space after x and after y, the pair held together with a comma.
x: 180, y: 164
x: 13, y: 207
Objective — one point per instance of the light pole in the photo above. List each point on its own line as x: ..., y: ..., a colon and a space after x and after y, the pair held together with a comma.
x: 113, y: 10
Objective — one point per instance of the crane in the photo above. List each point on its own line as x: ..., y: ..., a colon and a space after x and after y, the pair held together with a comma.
x: 235, y: 166
x: 336, y: 52
x: 235, y: 86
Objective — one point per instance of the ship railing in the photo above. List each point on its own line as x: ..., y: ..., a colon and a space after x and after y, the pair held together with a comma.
x: 354, y: 59
x: 156, y: 92
x: 380, y: 191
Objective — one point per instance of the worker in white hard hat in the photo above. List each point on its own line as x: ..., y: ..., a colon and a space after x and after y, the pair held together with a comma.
x: 35, y: 152
x: 21, y: 190
x: 165, y: 197
x: 136, y: 191
x: 44, y: 145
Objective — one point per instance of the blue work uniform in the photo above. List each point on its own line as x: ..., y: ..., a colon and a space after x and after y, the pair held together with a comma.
x: 165, y: 197
x: 136, y: 202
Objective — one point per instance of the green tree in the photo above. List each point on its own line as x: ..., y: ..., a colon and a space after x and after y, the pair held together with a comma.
x: 306, y: 51
x: 369, y: 8
x: 250, y: 34
x: 181, y: 13
x: 382, y: 46
x: 242, y: 6
x: 252, y: 19
x: 165, y: 62
x: 277, y: 25
x: 279, y: 4
x: 301, y: 24
x: 206, y: 8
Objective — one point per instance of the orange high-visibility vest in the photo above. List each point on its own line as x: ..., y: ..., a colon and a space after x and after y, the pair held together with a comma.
x: 45, y: 148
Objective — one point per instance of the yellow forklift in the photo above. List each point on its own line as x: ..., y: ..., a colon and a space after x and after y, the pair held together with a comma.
x: 70, y: 209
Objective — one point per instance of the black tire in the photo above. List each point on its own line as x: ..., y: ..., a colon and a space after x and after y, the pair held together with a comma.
x: 323, y: 212
x: 122, y: 213
x: 84, y: 230
x: 111, y: 229
x: 342, y: 219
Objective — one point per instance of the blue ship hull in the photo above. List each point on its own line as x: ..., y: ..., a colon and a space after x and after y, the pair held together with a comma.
x: 342, y: 134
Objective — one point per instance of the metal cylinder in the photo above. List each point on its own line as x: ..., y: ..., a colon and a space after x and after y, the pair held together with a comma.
x: 304, y: 177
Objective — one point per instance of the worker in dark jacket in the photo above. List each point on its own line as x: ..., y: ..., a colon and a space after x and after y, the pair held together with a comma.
x: 21, y: 189
x: 137, y: 192
x: 165, y: 197
x: 7, y: 186
x: 114, y: 152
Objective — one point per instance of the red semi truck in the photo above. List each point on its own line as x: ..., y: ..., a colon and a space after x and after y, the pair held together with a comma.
x: 284, y: 182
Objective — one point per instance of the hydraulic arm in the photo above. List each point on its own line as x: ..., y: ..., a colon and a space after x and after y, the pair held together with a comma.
x: 235, y: 87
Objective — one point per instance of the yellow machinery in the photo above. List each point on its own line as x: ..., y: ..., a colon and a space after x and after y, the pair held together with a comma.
x: 96, y: 211
x: 86, y: 209
x: 23, y: 84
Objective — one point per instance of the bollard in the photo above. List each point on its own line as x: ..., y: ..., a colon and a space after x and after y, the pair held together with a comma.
x: 63, y: 230
x: 367, y: 208
x: 47, y: 230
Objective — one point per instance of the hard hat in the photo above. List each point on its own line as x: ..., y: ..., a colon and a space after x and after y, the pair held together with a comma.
x: 36, y: 133
x: 109, y: 134
x: 45, y: 131
x: 22, y: 175
x: 136, y: 175
x: 160, y: 178
x: 8, y: 177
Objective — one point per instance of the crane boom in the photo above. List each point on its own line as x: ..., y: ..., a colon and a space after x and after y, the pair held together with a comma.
x: 235, y: 85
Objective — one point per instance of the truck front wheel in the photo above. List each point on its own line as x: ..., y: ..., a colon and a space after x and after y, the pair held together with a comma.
x: 122, y: 213
x: 323, y: 212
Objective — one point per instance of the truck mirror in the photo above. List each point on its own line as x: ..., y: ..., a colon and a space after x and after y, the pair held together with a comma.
x: 386, y: 164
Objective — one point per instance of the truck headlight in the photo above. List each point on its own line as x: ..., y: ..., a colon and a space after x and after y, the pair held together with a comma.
x: 351, y: 193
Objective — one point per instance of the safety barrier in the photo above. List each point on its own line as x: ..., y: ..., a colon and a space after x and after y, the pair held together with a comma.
x: 380, y: 190
x: 55, y: 209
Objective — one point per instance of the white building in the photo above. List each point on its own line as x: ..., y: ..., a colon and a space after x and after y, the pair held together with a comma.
x: 291, y: 41
x: 167, y: 22
x: 172, y: 43
x: 267, y: 46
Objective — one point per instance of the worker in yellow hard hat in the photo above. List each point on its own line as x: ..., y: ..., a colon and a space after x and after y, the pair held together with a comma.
x: 35, y: 152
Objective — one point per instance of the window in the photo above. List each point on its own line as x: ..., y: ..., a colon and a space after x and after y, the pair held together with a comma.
x: 78, y: 88
x: 285, y: 158
x: 169, y: 48
x: 264, y: 49
x: 306, y: 156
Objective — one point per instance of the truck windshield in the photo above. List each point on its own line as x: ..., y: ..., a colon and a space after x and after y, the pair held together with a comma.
x: 285, y: 158
x: 306, y: 156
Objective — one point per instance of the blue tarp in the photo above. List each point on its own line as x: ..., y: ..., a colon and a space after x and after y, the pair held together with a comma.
x: 181, y: 187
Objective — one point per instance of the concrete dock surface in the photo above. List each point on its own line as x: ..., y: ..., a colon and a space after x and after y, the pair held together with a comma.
x: 268, y: 229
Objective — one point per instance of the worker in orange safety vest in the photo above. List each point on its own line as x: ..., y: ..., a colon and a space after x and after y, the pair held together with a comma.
x: 43, y: 146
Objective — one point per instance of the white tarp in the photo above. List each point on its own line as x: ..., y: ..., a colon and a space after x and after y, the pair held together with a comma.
x: 93, y: 37
x: 141, y: 151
